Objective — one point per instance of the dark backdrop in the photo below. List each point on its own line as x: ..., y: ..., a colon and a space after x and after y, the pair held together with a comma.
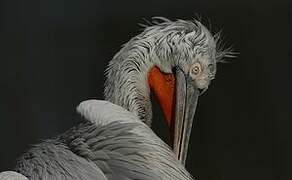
x: 54, y: 53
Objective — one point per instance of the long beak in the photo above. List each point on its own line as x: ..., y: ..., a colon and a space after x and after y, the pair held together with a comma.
x: 185, y: 106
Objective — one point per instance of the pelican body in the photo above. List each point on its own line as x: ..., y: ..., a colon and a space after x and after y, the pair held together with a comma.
x: 174, y: 59
x: 111, y: 143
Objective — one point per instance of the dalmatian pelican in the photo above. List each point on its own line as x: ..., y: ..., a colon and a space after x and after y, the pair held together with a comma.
x: 176, y: 60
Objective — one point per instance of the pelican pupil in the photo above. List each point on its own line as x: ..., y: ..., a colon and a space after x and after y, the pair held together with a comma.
x: 196, y: 70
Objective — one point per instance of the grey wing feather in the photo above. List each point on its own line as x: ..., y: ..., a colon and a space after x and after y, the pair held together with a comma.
x: 112, y: 144
x: 53, y: 160
x: 11, y: 175
x: 134, y: 149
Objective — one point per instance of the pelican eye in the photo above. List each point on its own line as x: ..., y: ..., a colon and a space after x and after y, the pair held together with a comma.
x: 195, y: 70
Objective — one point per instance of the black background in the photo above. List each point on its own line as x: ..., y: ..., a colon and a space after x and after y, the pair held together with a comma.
x: 54, y: 53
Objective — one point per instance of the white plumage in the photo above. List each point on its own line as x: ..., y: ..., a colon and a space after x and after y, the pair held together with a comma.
x: 113, y: 142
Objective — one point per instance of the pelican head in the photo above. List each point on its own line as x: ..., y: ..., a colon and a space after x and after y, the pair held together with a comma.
x: 174, y: 59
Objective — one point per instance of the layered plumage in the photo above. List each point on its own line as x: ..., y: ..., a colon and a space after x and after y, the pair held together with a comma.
x: 165, y: 44
x: 113, y: 142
